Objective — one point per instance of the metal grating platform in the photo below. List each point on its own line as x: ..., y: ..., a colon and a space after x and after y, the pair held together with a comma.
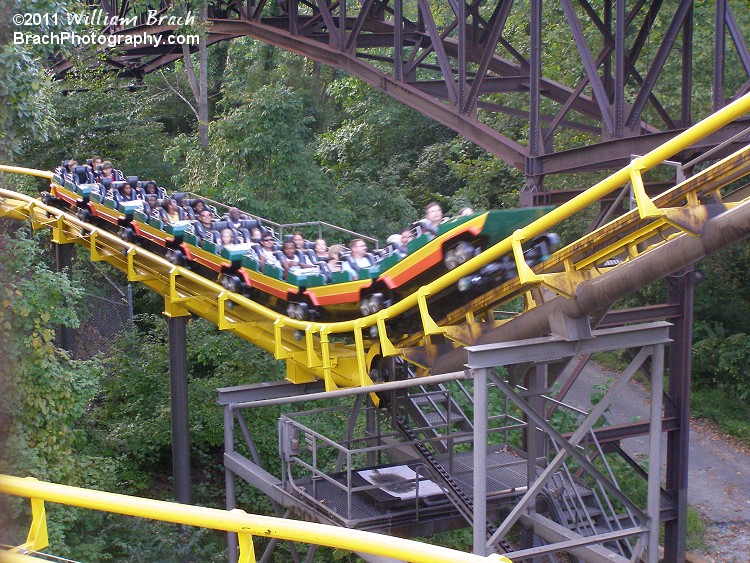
x: 351, y: 501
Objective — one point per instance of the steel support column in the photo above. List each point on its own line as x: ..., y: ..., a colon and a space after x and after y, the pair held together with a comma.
x: 231, y: 501
x: 651, y: 338
x: 679, y: 292
x: 64, y: 261
x: 654, y: 453
x: 179, y: 396
x: 533, y: 438
x: 480, y: 460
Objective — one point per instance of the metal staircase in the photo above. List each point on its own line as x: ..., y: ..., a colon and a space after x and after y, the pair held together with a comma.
x: 434, y: 410
x: 589, y: 511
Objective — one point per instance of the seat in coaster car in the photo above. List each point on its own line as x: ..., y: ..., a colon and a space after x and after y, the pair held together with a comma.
x: 82, y: 175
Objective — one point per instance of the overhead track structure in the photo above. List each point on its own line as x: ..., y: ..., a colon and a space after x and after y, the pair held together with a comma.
x: 494, y: 71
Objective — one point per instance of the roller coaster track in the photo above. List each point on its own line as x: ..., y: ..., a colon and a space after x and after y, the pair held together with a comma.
x: 341, y: 353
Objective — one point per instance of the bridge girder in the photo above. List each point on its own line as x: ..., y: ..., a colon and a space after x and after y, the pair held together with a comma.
x: 466, y: 65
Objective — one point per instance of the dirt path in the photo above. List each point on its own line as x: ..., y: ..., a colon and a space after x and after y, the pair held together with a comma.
x: 718, y: 469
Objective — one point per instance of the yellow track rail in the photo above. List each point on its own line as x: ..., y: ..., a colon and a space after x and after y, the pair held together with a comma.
x: 243, y: 524
x: 309, y: 349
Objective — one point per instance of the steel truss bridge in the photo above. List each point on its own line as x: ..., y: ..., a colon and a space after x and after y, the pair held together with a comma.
x: 492, y: 70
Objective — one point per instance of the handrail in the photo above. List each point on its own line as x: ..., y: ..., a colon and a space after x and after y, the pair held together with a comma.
x: 237, y: 521
x: 321, y: 224
x: 282, y: 226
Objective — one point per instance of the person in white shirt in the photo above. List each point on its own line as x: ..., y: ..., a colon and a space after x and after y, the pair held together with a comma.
x: 291, y: 261
x: 357, y: 259
x: 266, y: 255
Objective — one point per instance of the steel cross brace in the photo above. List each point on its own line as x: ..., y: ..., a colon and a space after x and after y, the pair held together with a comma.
x: 569, y: 446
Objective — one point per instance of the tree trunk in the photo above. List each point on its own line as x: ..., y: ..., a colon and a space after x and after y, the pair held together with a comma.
x: 199, y: 84
x: 203, y: 85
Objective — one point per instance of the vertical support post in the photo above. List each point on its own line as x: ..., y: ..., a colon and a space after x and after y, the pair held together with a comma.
x: 607, y: 75
x: 179, y: 397
x: 719, y: 53
x: 686, y: 95
x: 63, y: 260
x: 373, y: 435
x: 679, y: 291
x: 533, y: 437
x: 461, y: 78
x: 620, y: 69
x: 535, y: 75
x: 232, y: 539
x: 479, y: 522
x: 398, y: 40
x: 533, y: 179
x: 654, y: 452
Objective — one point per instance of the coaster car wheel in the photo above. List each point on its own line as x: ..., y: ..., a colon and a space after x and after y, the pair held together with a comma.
x: 126, y: 234
x: 459, y: 254
x: 175, y: 257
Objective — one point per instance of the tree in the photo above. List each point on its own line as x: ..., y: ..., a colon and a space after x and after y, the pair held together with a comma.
x: 45, y: 394
x: 259, y: 159
x: 109, y: 120
x: 199, y: 85
x: 24, y: 89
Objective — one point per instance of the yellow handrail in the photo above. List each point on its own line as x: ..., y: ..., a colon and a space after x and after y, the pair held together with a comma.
x: 244, y: 524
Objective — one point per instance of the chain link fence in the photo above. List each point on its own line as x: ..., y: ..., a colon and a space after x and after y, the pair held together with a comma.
x: 101, y: 320
x: 105, y: 310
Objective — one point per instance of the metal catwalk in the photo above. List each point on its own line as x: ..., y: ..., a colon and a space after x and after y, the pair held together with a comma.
x: 353, y: 465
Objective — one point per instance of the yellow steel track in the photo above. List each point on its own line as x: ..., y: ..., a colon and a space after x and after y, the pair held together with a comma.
x: 341, y: 353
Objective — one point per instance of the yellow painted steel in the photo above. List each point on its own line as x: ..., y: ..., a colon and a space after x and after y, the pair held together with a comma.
x: 244, y: 524
x: 317, y: 356
x: 14, y: 557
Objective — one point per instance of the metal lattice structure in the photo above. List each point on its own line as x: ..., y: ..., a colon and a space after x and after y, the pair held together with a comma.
x: 499, y: 72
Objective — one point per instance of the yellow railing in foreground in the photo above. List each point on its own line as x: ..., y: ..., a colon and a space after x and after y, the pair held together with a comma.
x: 244, y: 524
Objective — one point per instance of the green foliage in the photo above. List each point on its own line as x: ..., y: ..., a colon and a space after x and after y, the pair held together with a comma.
x: 719, y: 405
x: 46, y: 395
x: 27, y: 109
x: 488, y: 182
x: 133, y: 539
x: 110, y: 121
x: 727, y: 274
x: 25, y: 112
x: 134, y: 417
x: 259, y: 159
x: 723, y: 361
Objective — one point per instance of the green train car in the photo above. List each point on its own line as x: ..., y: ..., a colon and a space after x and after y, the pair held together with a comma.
x: 319, y: 294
